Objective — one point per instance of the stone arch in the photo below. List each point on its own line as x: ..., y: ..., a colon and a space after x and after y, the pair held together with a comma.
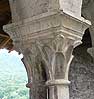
x: 28, y: 69
x: 13, y: 75
x: 6, y: 41
x: 37, y: 73
x: 81, y: 70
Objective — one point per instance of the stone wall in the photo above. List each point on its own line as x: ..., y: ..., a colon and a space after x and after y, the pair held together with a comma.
x: 23, y: 9
x: 81, y: 75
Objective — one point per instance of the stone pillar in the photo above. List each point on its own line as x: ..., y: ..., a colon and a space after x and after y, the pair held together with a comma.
x: 46, y: 35
x: 58, y: 89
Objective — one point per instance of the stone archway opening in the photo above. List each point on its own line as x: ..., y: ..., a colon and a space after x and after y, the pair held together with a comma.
x: 13, y: 76
x: 7, y: 43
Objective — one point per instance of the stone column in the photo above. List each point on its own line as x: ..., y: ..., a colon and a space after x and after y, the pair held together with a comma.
x: 58, y: 89
x: 46, y: 35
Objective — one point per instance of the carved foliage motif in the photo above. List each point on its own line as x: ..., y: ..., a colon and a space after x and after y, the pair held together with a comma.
x: 38, y: 72
x: 55, y: 55
x: 48, y: 59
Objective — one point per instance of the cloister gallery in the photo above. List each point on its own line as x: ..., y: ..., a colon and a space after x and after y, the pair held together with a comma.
x: 56, y: 38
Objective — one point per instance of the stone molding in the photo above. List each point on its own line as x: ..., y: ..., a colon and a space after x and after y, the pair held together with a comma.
x: 49, y: 22
x: 57, y: 82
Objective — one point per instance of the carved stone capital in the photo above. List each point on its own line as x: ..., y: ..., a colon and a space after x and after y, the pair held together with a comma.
x: 45, y: 25
x: 52, y: 36
x: 47, y: 41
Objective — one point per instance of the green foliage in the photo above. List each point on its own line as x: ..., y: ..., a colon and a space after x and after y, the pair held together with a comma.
x: 12, y: 86
x: 10, y: 90
x: 13, y: 77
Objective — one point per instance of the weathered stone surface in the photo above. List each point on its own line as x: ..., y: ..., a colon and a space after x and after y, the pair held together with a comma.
x: 48, y: 39
x: 81, y: 75
x: 46, y: 33
x: 72, y: 7
x: 38, y: 88
x: 88, y: 13
x: 23, y: 9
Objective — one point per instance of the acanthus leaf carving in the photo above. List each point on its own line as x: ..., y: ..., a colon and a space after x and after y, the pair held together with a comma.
x: 56, y: 55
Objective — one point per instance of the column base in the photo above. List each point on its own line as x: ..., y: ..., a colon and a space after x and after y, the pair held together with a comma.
x: 58, y: 89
